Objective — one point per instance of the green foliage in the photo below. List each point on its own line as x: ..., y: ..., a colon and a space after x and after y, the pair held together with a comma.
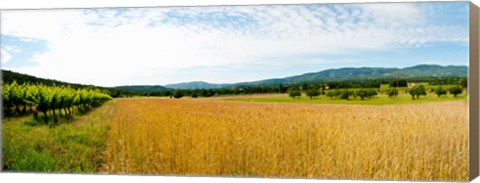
x: 371, y: 93
x: 456, y: 90
x: 440, y: 91
x: 368, y: 93
x: 345, y: 94
x: 398, y: 83
x: 67, y: 147
x: 333, y: 94
x: 281, y: 88
x: 40, y: 98
x: 294, y: 93
x: 312, y: 93
x: 194, y: 95
x: 393, y: 92
x: 464, y: 82
x: 10, y: 77
x: 34, y: 161
x: 178, y: 94
x: 416, y: 91
x: 361, y: 93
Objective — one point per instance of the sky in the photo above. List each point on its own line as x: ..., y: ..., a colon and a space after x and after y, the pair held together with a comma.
x: 228, y: 44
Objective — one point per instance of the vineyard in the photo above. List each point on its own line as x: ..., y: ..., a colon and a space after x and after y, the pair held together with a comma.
x: 37, y: 98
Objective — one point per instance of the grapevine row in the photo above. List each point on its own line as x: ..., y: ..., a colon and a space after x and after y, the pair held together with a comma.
x: 40, y: 98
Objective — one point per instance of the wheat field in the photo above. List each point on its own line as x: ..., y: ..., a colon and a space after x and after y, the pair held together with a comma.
x: 215, y: 138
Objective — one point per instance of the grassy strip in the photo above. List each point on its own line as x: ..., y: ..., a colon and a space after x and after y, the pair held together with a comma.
x: 377, y: 100
x: 69, y: 147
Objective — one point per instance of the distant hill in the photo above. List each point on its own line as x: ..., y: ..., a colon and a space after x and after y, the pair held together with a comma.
x: 143, y: 88
x: 196, y: 85
x: 432, y: 70
x: 368, y: 73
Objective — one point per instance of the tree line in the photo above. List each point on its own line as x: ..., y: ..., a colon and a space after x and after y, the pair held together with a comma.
x: 313, y: 89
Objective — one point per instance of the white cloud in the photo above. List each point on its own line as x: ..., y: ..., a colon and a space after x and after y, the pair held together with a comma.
x: 5, y: 56
x: 105, y: 47
x: 6, y: 53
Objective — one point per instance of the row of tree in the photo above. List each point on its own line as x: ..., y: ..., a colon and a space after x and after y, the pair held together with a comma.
x: 419, y: 90
x: 37, y: 98
x: 341, y: 94
x: 415, y: 92
x: 302, y: 86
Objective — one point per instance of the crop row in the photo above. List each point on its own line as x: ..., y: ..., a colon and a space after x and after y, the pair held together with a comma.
x: 33, y: 98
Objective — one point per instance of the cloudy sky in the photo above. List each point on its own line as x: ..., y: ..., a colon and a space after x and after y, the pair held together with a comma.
x: 226, y: 44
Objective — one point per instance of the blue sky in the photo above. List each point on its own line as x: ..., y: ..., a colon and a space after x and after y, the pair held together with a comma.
x: 226, y: 44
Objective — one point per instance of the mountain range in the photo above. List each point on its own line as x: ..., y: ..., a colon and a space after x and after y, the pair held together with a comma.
x: 347, y: 73
x: 197, y: 85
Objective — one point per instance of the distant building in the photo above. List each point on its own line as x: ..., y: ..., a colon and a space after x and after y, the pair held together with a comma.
x: 410, y: 85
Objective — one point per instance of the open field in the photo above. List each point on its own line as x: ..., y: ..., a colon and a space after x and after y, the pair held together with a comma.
x: 426, y: 141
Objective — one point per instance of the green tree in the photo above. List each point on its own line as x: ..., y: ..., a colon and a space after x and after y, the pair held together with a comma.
x: 440, y: 91
x: 178, y: 94
x: 361, y: 93
x: 294, y: 93
x: 305, y: 87
x: 345, y: 94
x: 282, y: 88
x: 312, y: 93
x: 393, y: 92
x: 371, y: 93
x: 333, y: 94
x: 416, y: 91
x: 194, y: 95
x: 464, y: 82
x: 398, y: 83
x: 455, y: 90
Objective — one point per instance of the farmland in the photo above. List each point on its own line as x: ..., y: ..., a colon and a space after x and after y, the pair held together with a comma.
x: 407, y: 133
x: 426, y: 141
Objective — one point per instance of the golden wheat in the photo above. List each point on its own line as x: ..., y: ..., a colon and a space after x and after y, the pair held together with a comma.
x: 207, y: 137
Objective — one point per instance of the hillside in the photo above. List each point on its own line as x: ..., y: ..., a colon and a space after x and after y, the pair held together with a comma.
x: 369, y: 73
x: 196, y: 85
x: 143, y: 88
